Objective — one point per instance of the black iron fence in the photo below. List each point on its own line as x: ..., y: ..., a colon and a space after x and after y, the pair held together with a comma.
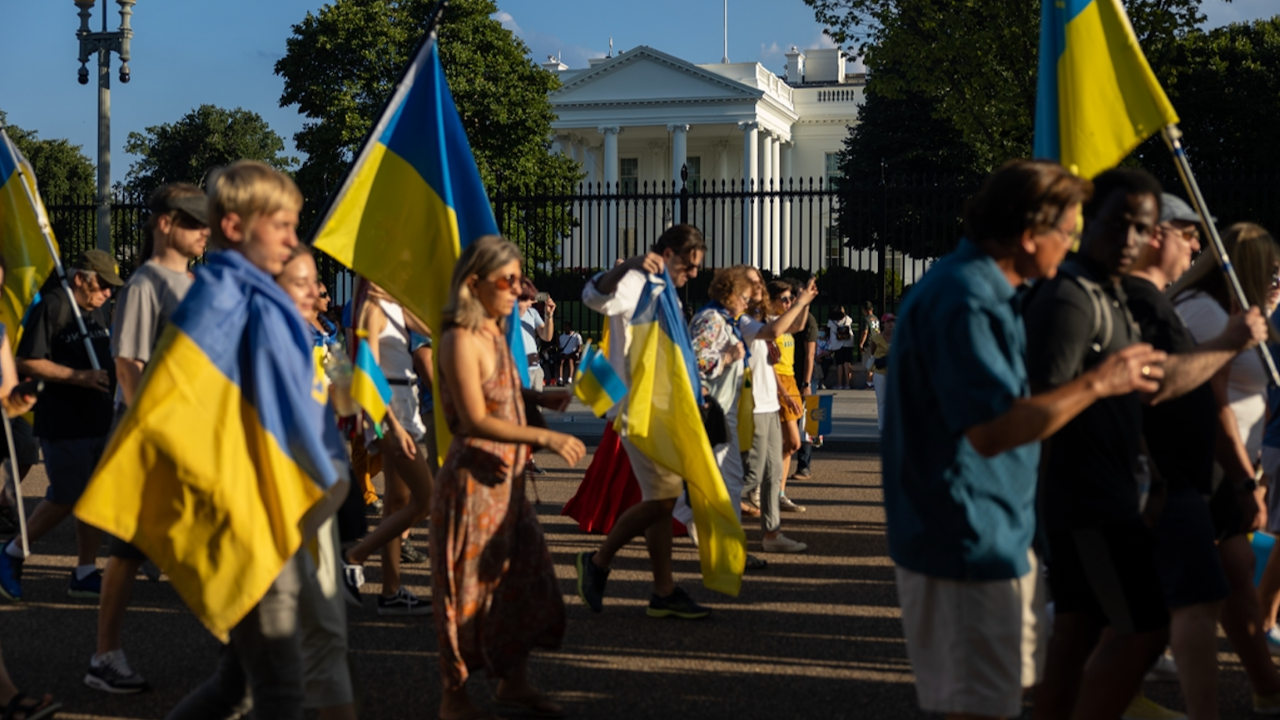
x: 862, y: 242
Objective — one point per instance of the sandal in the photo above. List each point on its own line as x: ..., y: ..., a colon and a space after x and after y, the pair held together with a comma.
x: 537, y: 705
x: 17, y: 709
x: 749, y: 510
x: 755, y: 563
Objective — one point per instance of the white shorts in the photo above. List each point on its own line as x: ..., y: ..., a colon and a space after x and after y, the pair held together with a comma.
x: 405, y: 406
x: 974, y: 645
x: 656, y: 482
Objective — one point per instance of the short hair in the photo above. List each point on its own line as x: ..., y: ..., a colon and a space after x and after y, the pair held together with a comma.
x: 249, y: 189
x: 777, y: 287
x: 481, y: 258
x: 680, y: 239
x: 728, y: 282
x: 1131, y: 181
x: 1022, y: 195
x: 868, y: 306
x: 528, y: 291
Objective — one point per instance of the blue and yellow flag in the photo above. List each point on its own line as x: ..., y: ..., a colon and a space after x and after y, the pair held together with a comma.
x: 662, y: 420
x: 27, y: 257
x: 817, y: 414
x: 369, y: 387
x: 596, y: 384
x: 1097, y: 98
x: 229, y: 456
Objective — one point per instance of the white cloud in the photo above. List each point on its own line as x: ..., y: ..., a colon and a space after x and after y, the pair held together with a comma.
x: 543, y: 45
x: 769, y: 52
x: 823, y: 41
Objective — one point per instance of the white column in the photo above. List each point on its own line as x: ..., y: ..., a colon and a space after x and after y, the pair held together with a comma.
x: 679, y: 152
x: 591, y: 163
x: 750, y: 176
x: 768, y: 207
x: 775, y: 238
x: 611, y: 181
x: 784, y: 175
x: 722, y: 161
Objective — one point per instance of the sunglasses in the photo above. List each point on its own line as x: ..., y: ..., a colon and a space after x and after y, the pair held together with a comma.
x: 785, y: 299
x: 324, y: 295
x: 508, y: 282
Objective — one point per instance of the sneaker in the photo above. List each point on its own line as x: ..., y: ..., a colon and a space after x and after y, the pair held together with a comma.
x: 410, y: 554
x: 10, y: 576
x: 1266, y: 704
x: 753, y: 499
x: 352, y: 580
x: 802, y: 475
x: 1144, y: 708
x: 591, y: 581
x: 1165, y: 669
x: 784, y: 503
x: 403, y: 603
x: 817, y: 441
x: 1273, y: 640
x: 111, y: 673
x: 677, y: 604
x: 784, y: 544
x: 90, y: 588
x: 376, y: 507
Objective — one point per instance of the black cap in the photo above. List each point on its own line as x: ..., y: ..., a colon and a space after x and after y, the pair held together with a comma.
x: 99, y: 262
x: 197, y: 206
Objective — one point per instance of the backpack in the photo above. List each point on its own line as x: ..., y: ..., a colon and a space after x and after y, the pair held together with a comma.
x: 844, y: 332
x: 1103, y: 324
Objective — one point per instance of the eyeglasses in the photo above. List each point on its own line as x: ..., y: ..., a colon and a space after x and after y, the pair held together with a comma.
x: 324, y: 295
x: 508, y: 282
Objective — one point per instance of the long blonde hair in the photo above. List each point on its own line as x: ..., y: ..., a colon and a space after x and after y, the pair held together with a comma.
x: 1253, y: 253
x: 481, y: 258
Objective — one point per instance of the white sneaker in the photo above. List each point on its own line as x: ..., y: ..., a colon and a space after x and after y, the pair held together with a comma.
x: 784, y: 544
x: 1165, y: 669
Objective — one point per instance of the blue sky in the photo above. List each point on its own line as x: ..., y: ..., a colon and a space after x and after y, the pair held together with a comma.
x: 189, y: 52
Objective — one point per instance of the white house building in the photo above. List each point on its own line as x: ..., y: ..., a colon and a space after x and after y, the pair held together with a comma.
x: 637, y: 118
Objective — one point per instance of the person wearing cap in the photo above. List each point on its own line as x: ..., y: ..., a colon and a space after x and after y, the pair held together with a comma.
x: 75, y: 410
x: 179, y: 232
x: 880, y: 340
x: 1180, y: 428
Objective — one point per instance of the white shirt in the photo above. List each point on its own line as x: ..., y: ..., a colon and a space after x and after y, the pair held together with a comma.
x: 530, y: 321
x: 1247, y: 383
x: 393, y: 344
x: 764, y: 384
x: 569, y: 343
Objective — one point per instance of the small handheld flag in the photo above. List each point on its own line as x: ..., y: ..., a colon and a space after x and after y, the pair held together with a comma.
x: 1096, y: 97
x: 369, y: 387
x: 596, y: 384
x: 817, y: 414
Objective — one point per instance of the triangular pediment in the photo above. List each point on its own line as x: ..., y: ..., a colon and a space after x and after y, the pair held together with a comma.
x: 645, y: 75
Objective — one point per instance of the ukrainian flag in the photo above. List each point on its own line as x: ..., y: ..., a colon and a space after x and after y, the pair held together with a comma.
x: 369, y: 387
x: 27, y: 257
x: 663, y: 421
x: 596, y: 384
x: 1097, y: 98
x: 229, y: 457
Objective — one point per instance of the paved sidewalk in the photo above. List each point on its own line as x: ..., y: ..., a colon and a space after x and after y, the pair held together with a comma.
x: 815, y: 636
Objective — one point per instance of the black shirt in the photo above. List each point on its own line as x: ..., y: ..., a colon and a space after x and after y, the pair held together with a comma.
x: 1181, y: 432
x: 808, y: 335
x: 1089, y: 463
x: 66, y: 411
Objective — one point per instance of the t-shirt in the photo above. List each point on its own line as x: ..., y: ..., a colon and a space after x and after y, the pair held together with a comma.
x: 833, y: 333
x: 867, y: 326
x: 569, y: 343
x: 951, y: 512
x: 808, y: 335
x: 143, y: 307
x: 764, y: 384
x: 530, y: 321
x: 1247, y: 380
x: 1090, y: 471
x: 786, y: 364
x: 67, y: 411
x: 1180, y: 433
x: 879, y: 351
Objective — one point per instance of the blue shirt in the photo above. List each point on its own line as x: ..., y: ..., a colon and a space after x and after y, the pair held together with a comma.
x: 957, y: 362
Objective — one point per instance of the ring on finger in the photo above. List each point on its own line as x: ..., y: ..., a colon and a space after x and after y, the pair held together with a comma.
x: 1146, y: 371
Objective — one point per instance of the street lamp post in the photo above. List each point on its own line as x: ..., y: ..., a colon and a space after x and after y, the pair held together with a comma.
x: 104, y: 43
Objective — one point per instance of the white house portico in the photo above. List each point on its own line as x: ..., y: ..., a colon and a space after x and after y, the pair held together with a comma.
x: 638, y: 118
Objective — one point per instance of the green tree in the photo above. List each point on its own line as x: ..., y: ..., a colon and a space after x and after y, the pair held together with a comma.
x: 63, y: 172
x: 205, y: 138
x: 977, y: 59
x: 342, y: 64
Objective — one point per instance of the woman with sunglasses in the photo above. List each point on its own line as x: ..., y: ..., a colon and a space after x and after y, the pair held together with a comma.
x: 328, y: 333
x: 492, y: 575
x: 783, y: 295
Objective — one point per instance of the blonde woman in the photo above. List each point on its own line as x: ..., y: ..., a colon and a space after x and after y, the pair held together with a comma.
x: 493, y: 582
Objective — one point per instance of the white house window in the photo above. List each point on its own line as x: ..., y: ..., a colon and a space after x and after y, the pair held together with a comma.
x: 694, y: 183
x: 629, y: 176
x: 834, y: 247
x: 833, y: 168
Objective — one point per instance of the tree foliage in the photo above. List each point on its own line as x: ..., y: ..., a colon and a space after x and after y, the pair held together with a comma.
x: 342, y: 64
x: 203, y: 139
x: 62, y: 170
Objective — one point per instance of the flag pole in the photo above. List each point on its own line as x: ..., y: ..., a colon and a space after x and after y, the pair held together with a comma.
x: 17, y: 485
x: 1173, y: 139
x: 43, y: 220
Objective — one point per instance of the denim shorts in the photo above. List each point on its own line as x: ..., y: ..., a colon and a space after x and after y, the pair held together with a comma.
x: 69, y: 464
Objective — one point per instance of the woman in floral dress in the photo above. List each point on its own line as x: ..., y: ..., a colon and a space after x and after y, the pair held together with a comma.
x: 494, y: 587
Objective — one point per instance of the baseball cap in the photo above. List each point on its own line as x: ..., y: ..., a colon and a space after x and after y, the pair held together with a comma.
x: 99, y: 262
x: 1173, y: 207
x: 197, y: 206
x: 887, y: 317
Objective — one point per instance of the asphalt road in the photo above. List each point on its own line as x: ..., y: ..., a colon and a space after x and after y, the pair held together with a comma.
x: 814, y: 636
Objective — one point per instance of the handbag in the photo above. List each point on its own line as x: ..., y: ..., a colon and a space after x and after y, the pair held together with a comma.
x: 714, y: 421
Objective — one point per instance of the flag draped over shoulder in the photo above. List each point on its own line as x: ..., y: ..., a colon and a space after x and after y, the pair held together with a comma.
x: 662, y: 420
x: 229, y: 456
x: 413, y: 201
x: 27, y: 259
x: 1097, y: 98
